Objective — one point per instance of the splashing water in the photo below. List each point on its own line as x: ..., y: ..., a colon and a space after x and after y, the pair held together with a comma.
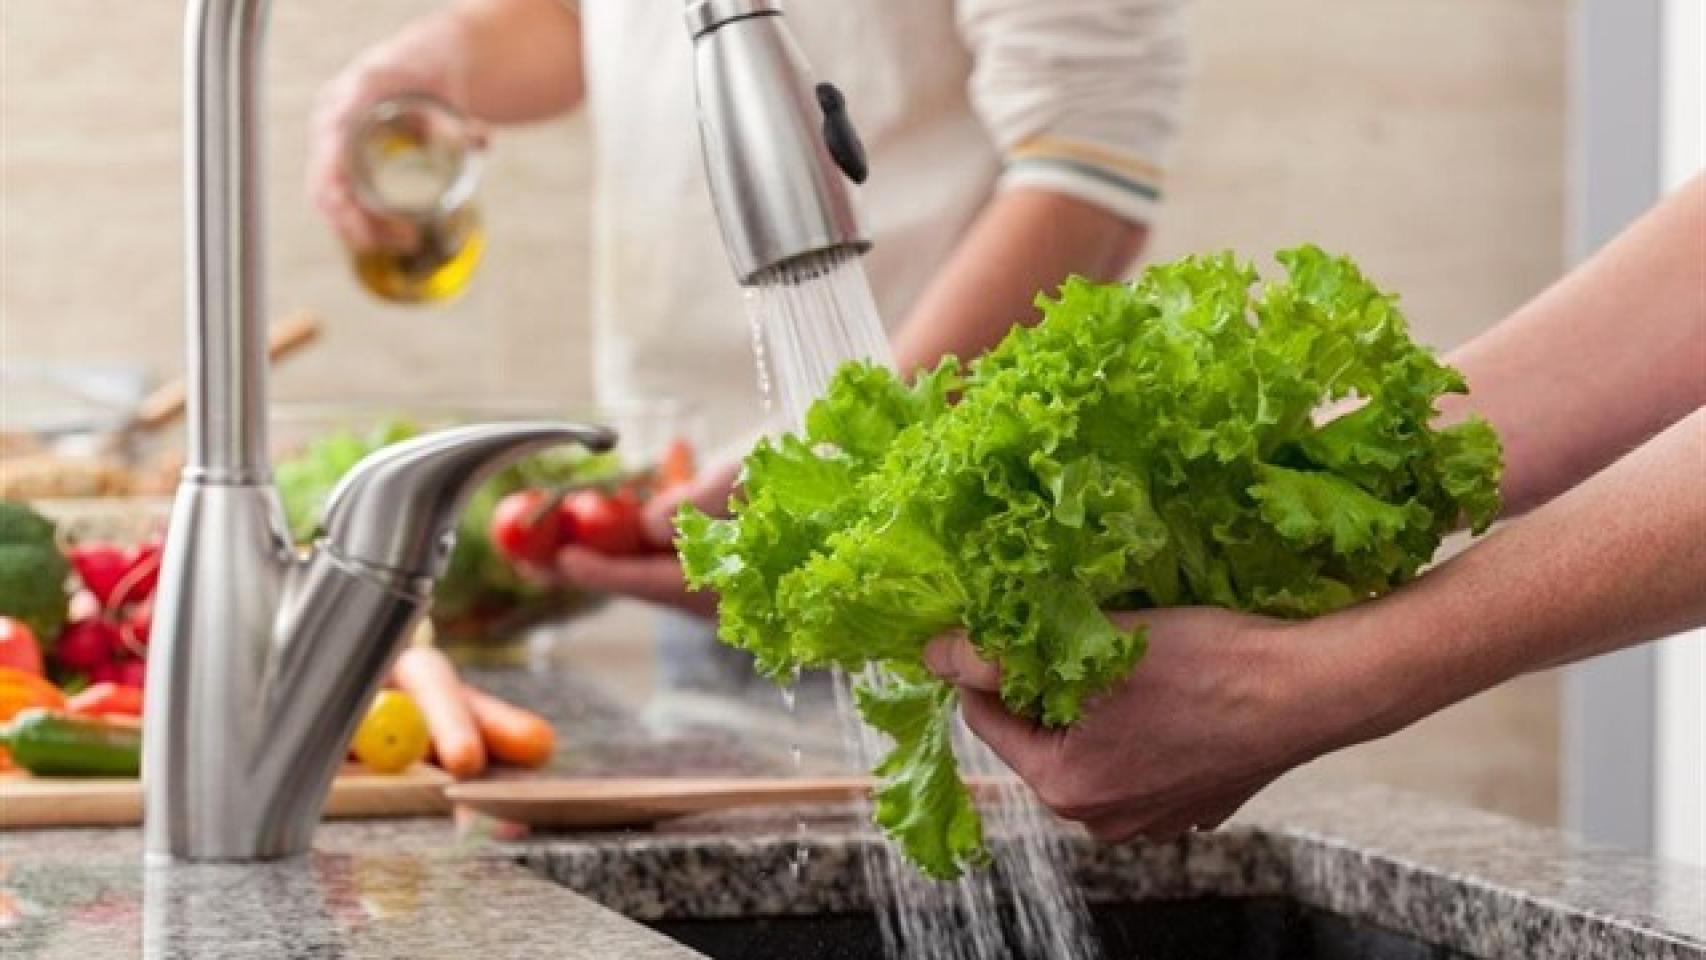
x: 808, y: 318
x: 1027, y: 906
x: 790, y: 700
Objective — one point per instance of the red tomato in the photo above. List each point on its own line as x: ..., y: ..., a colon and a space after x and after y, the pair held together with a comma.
x: 526, y: 529
x: 603, y: 522
x: 18, y: 647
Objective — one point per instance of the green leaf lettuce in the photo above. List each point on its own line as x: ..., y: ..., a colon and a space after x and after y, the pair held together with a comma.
x: 1147, y: 444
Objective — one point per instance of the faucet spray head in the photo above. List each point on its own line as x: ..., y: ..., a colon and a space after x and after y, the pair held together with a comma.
x: 779, y: 148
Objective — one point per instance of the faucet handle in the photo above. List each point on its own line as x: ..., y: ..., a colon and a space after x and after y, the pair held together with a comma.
x: 397, y: 509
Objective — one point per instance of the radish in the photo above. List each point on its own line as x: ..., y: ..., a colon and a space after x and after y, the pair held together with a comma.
x: 133, y: 673
x: 88, y: 644
x: 117, y: 575
x: 100, y: 566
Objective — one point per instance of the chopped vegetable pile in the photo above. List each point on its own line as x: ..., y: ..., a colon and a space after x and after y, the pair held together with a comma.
x: 1146, y: 445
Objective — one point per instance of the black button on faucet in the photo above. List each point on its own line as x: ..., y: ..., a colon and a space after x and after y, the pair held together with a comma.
x: 839, y: 135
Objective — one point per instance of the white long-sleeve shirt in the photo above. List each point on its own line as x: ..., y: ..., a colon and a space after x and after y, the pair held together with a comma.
x: 954, y: 100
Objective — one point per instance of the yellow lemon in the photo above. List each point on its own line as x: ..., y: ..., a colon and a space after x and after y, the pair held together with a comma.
x: 393, y: 735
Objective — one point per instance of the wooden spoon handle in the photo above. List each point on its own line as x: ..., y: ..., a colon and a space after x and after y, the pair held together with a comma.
x: 166, y: 403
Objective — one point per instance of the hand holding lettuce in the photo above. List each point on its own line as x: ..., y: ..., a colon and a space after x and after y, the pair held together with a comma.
x: 1146, y: 445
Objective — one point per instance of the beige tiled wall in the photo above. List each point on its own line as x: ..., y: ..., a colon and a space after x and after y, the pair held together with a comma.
x: 1425, y: 136
x: 92, y: 216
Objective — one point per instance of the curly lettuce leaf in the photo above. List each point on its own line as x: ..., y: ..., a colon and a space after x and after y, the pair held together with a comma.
x: 1148, y: 444
x: 922, y: 800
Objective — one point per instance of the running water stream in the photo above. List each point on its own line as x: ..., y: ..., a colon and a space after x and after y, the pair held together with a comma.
x: 808, y: 318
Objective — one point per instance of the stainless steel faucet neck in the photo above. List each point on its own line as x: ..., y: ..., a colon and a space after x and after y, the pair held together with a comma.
x: 262, y: 658
x: 225, y: 288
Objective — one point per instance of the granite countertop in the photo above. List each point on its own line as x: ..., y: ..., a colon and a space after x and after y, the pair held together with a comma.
x: 1474, y: 883
x: 408, y: 903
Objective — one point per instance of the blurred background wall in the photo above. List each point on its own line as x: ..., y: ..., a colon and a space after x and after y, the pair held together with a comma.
x: 93, y: 212
x: 1427, y: 137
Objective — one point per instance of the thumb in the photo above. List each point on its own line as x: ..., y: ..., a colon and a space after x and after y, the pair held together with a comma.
x: 952, y: 657
x: 709, y: 491
x: 658, y: 516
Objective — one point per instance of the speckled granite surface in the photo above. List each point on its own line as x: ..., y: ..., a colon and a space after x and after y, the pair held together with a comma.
x: 1477, y: 884
x: 396, y: 905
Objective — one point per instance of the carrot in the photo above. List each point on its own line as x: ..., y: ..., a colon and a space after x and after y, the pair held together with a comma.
x: 106, y: 700
x: 426, y: 675
x: 512, y: 734
x: 675, y: 468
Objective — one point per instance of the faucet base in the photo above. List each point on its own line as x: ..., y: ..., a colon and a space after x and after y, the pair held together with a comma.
x: 265, y: 660
x: 221, y: 576
x: 261, y: 665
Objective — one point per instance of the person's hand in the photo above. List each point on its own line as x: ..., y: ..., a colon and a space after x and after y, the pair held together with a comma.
x: 654, y: 576
x: 425, y: 58
x: 1220, y: 705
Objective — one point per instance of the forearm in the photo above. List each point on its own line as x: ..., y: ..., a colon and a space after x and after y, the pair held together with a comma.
x: 505, y: 61
x: 1604, y: 359
x: 1026, y: 240
x: 1619, y: 560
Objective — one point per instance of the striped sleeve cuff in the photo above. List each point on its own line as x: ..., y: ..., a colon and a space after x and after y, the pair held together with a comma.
x: 1122, y: 183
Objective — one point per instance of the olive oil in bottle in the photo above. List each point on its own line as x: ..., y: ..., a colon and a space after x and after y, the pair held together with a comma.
x: 415, y: 165
x: 435, y: 270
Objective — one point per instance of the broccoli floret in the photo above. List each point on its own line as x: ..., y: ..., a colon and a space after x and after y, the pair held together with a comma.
x: 32, y: 587
x: 20, y: 524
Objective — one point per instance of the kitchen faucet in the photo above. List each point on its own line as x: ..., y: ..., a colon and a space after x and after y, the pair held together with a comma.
x: 779, y: 148
x: 263, y: 656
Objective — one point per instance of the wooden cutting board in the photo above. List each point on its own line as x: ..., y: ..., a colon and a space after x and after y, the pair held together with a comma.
x: 597, y: 803
x: 36, y: 802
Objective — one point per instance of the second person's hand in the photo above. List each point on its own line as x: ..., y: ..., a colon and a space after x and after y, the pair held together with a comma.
x: 425, y: 58
x: 655, y: 576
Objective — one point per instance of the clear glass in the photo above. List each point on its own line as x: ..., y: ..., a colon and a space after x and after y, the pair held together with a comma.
x: 415, y: 162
